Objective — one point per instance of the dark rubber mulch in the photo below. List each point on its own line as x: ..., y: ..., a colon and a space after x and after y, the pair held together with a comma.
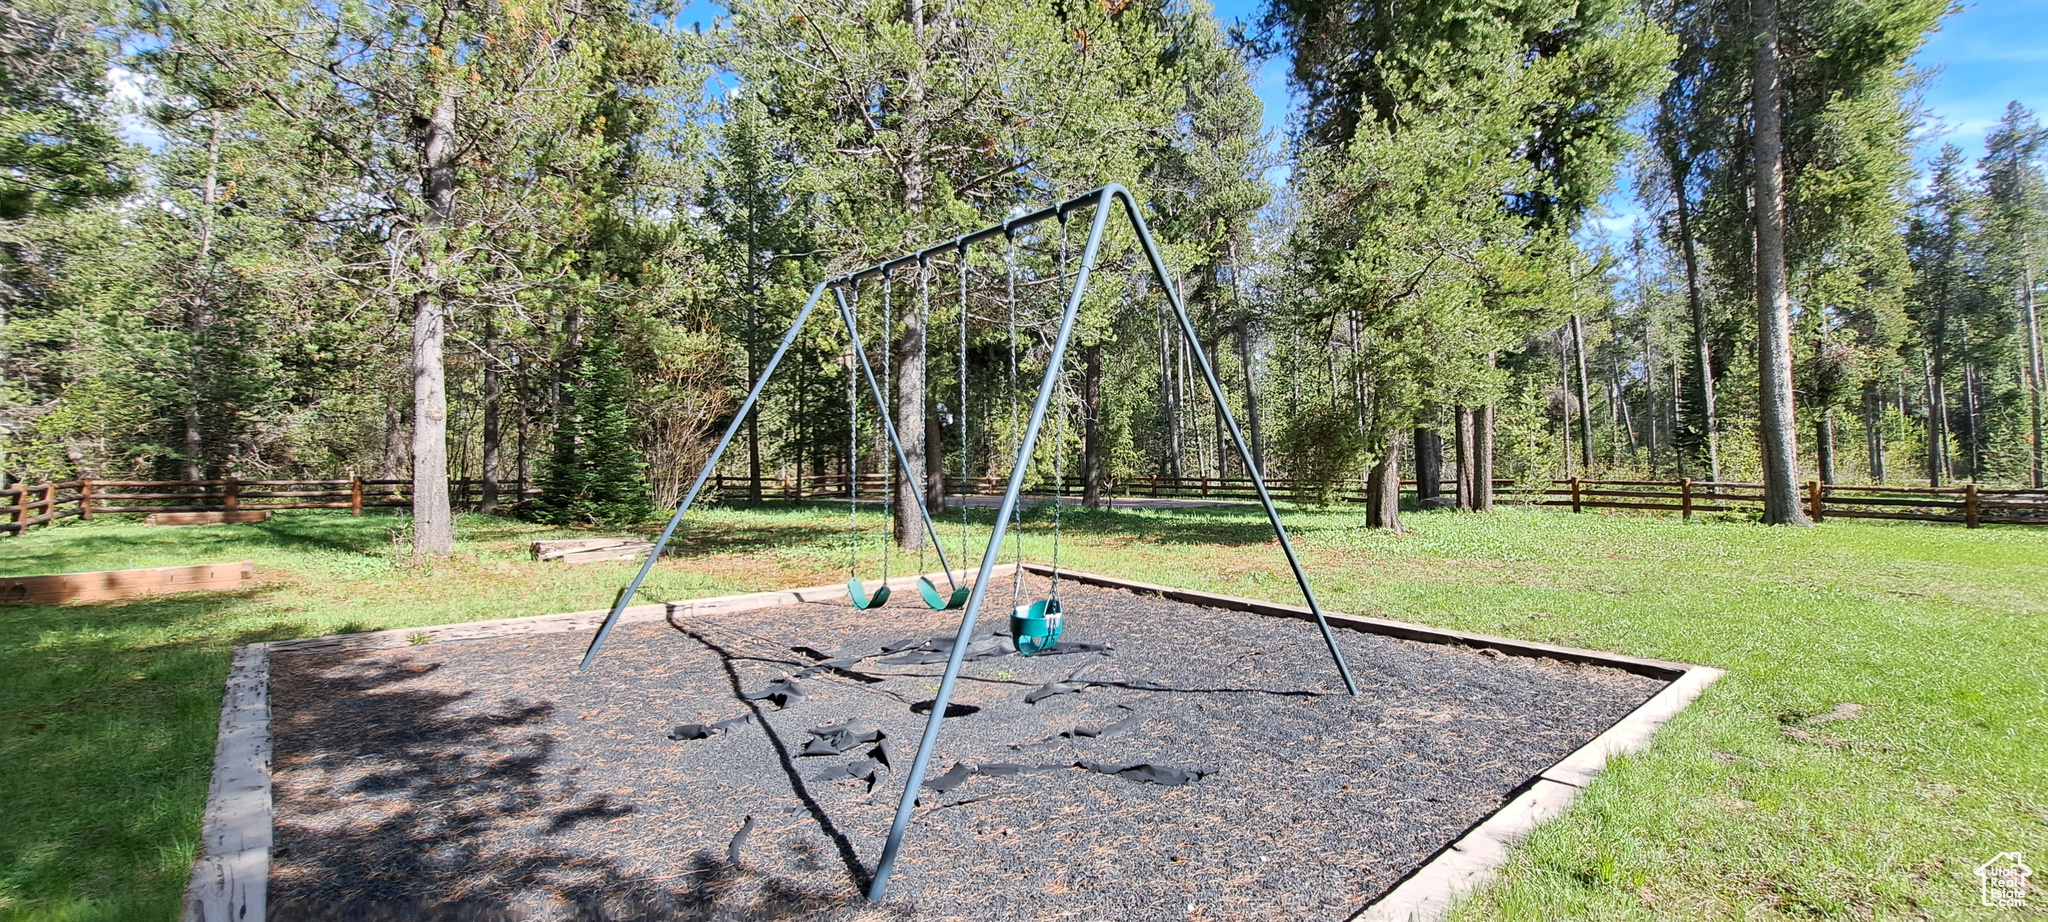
x: 1206, y: 766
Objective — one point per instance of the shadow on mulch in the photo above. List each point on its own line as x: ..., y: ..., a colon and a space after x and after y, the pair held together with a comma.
x: 452, y: 778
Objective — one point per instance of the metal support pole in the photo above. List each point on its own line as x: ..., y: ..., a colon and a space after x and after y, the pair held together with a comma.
x: 889, y: 426
x: 710, y: 464
x: 979, y: 593
x: 1187, y: 328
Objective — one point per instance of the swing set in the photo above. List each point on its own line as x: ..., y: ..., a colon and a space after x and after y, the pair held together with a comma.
x: 1036, y: 626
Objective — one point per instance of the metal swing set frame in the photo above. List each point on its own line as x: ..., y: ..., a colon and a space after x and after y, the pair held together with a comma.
x: 1101, y: 201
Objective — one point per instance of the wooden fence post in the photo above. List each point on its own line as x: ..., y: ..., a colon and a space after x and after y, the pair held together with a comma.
x: 1685, y: 497
x: 21, y: 510
x: 85, y: 499
x: 50, y: 500
x: 1813, y: 500
x: 231, y: 498
x: 1575, y: 494
x: 1970, y: 508
x: 355, y: 494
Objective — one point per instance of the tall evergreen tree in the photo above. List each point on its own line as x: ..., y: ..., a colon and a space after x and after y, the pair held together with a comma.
x: 2016, y: 245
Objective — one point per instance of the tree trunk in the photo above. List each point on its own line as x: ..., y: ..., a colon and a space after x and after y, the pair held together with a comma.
x: 1935, y: 411
x: 1585, y: 398
x: 1565, y: 402
x: 1618, y: 398
x: 433, y: 520
x: 392, y: 465
x: 1773, y: 299
x: 1429, y: 467
x: 1824, y: 444
x: 1649, y: 399
x: 1383, y: 487
x: 1873, y: 432
x: 1696, y: 308
x: 753, y: 427
x: 910, y: 429
x: 488, y: 504
x: 1971, y: 424
x: 1251, y: 398
x: 917, y: 193
x: 1093, y: 471
x: 1169, y: 385
x: 2034, y: 372
x: 1246, y: 361
x: 1482, y: 450
x: 201, y: 317
x: 1468, y: 459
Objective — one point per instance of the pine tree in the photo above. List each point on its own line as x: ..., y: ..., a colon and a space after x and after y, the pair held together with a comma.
x: 594, y: 473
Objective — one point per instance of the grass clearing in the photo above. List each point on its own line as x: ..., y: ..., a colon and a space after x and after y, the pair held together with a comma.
x: 1745, y: 807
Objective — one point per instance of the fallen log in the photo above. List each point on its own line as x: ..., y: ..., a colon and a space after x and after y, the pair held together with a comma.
x: 222, y: 517
x: 107, y: 585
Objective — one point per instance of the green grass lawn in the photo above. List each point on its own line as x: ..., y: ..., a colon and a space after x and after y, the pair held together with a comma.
x: 107, y: 711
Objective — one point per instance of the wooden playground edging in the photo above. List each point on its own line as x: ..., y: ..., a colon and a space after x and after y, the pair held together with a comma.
x: 1969, y: 505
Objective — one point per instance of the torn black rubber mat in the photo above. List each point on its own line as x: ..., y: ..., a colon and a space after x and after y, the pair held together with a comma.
x: 1169, y: 775
x: 865, y: 769
x: 784, y: 692
x: 940, y: 649
x: 707, y: 731
x: 951, y: 779
x: 836, y: 739
x: 1006, y: 769
x: 739, y: 841
x: 1111, y: 729
x: 1048, y: 690
x: 1074, y: 646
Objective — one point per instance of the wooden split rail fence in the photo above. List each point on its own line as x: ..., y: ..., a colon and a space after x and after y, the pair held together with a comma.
x: 24, y: 506
x: 873, y: 486
x: 1969, y: 505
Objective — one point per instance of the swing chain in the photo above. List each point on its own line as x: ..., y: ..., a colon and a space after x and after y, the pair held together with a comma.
x: 852, y: 437
x: 961, y: 411
x: 1059, y: 458
x: 888, y: 384
x: 1016, y: 528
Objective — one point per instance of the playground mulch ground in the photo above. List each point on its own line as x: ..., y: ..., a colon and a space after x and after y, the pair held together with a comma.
x: 1206, y: 765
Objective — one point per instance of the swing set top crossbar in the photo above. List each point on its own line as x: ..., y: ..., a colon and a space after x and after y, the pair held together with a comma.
x: 961, y: 243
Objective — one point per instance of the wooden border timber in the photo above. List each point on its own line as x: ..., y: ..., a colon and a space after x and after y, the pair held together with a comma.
x: 230, y: 879
x: 228, y: 516
x: 108, y: 585
x: 1429, y: 892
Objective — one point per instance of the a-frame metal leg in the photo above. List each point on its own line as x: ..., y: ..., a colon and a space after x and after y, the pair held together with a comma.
x: 979, y: 593
x: 710, y: 464
x: 1187, y: 329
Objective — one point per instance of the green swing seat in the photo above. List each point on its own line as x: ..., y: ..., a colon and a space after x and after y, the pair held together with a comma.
x: 858, y: 592
x: 1036, y: 627
x: 940, y: 601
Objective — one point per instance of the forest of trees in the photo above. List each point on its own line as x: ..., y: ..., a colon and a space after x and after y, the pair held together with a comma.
x: 510, y: 241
